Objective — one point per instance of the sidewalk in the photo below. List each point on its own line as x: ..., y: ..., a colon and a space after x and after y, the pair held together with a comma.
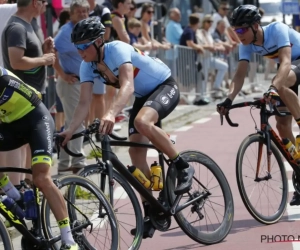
x: 181, y: 116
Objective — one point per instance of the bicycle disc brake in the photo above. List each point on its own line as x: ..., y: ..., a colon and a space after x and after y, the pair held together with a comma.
x: 160, y: 222
x: 296, y: 183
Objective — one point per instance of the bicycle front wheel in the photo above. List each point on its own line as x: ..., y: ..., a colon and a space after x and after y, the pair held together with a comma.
x: 208, y: 220
x: 103, y: 233
x: 264, y: 195
x: 125, y: 203
x: 5, y: 242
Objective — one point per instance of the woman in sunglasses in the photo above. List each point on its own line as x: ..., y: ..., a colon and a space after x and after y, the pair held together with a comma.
x: 280, y: 43
x: 131, y: 71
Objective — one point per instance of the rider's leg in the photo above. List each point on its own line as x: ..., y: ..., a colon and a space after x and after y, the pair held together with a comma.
x: 42, y: 179
x: 284, y: 126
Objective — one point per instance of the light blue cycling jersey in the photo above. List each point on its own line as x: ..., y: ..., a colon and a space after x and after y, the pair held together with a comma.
x: 276, y: 36
x: 148, y: 72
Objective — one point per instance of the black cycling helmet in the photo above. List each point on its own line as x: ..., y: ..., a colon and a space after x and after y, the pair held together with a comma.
x: 87, y: 29
x: 245, y: 15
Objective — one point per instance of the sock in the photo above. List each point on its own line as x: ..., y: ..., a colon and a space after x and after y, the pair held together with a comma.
x: 180, y: 163
x: 65, y: 230
x: 9, y: 189
x: 146, y: 207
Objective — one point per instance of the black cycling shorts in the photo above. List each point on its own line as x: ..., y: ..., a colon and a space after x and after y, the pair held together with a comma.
x: 35, y: 128
x: 295, y: 66
x: 164, y: 99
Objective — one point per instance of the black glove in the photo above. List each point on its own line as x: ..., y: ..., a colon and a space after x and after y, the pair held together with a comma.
x: 226, y: 104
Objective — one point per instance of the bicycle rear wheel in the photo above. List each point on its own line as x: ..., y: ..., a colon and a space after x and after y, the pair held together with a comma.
x: 217, y: 208
x: 126, y: 204
x: 264, y: 197
x: 5, y: 242
x: 104, y: 232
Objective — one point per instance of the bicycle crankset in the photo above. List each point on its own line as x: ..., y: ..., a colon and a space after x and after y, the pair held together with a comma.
x: 296, y: 183
x: 160, y: 221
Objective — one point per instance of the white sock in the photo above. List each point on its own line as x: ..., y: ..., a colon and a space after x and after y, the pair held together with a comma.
x: 9, y: 189
x: 65, y: 231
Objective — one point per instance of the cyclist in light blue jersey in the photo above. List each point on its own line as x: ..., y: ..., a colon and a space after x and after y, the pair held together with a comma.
x: 276, y: 41
x: 131, y: 71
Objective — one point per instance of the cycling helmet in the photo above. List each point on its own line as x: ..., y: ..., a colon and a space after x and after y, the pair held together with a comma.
x: 245, y: 15
x: 87, y: 29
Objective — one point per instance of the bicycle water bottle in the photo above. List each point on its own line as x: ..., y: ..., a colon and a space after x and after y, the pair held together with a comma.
x: 156, y: 177
x: 12, y: 206
x: 140, y: 176
x: 30, y: 205
x: 291, y: 148
x: 297, y: 142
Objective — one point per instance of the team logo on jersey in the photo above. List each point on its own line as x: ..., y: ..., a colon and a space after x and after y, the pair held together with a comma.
x: 164, y: 100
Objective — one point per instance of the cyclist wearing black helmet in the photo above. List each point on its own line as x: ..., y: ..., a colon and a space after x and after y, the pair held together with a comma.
x: 132, y: 72
x: 276, y: 41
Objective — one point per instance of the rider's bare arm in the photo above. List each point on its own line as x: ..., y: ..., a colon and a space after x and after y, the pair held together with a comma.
x: 83, y: 106
x: 284, y: 55
x: 238, y: 79
x: 126, y: 89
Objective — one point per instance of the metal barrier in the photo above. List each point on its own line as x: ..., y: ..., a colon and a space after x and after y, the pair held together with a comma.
x: 195, y: 75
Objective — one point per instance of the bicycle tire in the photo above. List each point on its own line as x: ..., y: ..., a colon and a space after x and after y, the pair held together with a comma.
x: 240, y: 155
x: 99, y: 169
x: 6, y: 241
x: 75, y: 180
x: 225, y: 227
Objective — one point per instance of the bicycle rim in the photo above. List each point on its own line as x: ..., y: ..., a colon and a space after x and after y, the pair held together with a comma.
x: 217, y: 208
x: 5, y: 242
x: 265, y: 200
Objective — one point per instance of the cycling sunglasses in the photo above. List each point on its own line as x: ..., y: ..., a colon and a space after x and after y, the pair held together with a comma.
x: 84, y: 46
x: 241, y: 31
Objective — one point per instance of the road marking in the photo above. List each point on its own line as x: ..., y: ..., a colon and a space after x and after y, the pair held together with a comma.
x: 293, y: 212
x: 291, y: 186
x: 295, y: 133
x: 287, y: 166
x: 184, y: 128
x: 296, y: 245
x: 215, y: 113
x: 202, y: 120
x: 120, y: 193
x: 152, y: 153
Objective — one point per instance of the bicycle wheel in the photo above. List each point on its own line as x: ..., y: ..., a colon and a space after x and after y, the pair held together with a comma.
x: 214, y: 184
x: 126, y: 205
x: 264, y: 198
x: 5, y: 242
x: 104, y: 231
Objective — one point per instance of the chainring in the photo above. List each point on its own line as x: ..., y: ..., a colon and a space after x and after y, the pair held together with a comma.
x: 160, y: 222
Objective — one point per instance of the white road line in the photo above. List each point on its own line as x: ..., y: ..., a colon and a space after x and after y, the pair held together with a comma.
x: 215, y: 113
x: 152, y: 153
x: 287, y: 166
x: 291, y: 186
x: 202, y: 120
x: 119, y: 193
x: 296, y: 245
x: 293, y: 212
x: 184, y: 128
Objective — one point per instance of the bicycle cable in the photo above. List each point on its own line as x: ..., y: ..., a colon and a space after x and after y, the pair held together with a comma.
x: 252, y: 108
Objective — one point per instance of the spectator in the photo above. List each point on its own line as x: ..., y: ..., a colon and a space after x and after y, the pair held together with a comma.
x: 188, y: 38
x: 130, y: 14
x: 146, y: 18
x: 25, y: 55
x: 205, y: 38
x: 222, y: 15
x: 173, y: 34
x: 98, y: 99
x: 134, y: 29
x: 67, y: 67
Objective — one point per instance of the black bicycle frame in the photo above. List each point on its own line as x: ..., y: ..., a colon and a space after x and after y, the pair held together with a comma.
x: 112, y: 161
x: 270, y: 134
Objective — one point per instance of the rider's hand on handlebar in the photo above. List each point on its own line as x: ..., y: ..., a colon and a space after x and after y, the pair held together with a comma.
x: 67, y: 134
x: 272, y: 96
x: 223, y: 107
x: 107, y: 124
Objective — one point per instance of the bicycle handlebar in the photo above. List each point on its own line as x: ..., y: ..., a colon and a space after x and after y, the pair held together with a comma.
x: 92, y: 129
x: 258, y: 104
